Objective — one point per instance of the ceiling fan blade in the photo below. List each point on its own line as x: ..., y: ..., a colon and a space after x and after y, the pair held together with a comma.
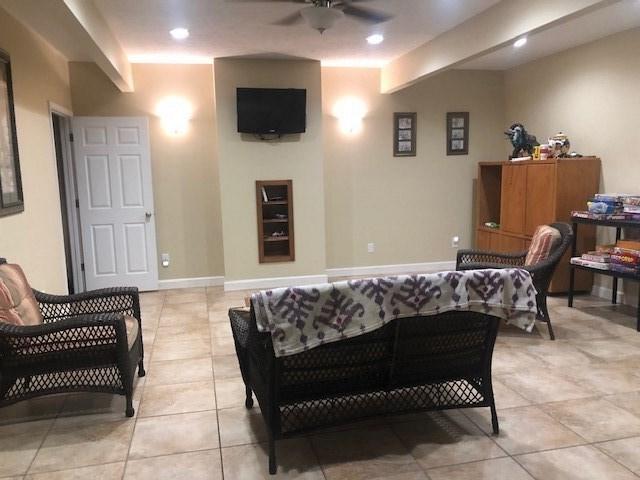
x: 267, y: 1
x: 367, y: 14
x: 289, y: 20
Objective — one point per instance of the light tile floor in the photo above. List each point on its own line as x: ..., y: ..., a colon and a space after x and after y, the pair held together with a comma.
x: 568, y: 409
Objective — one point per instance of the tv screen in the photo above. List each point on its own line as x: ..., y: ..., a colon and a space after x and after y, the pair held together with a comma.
x: 271, y: 110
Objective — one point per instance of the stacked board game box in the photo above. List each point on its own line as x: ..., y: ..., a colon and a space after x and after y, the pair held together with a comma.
x: 625, y: 257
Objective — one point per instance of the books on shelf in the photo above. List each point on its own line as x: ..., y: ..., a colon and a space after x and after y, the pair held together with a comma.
x: 624, y: 269
x: 265, y: 198
x: 600, y: 257
x: 600, y: 216
x: 607, y: 248
x: 586, y: 263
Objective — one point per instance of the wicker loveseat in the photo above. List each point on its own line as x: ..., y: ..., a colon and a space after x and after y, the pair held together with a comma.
x: 411, y: 364
x: 90, y: 341
x: 541, y: 272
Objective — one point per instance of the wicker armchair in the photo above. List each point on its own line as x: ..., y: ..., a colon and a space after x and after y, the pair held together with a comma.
x: 541, y: 272
x: 83, y: 345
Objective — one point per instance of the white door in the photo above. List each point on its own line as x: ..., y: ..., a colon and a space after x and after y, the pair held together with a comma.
x: 113, y: 168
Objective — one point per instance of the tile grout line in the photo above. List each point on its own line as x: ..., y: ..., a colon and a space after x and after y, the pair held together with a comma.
x: 215, y: 389
x: 45, y: 436
x: 587, y: 443
x: 135, y: 424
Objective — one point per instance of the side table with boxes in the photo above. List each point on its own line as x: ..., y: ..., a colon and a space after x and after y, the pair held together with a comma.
x: 619, y: 260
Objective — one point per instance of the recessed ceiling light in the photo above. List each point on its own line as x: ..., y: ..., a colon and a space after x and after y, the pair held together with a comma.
x: 375, y: 39
x: 520, y: 42
x: 179, y: 33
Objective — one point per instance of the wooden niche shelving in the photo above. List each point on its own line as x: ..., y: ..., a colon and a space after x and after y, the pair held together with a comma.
x: 274, y: 201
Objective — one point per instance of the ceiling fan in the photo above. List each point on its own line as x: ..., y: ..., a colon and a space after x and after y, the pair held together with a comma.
x: 322, y: 14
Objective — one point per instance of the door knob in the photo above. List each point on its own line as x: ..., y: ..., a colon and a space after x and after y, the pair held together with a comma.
x: 148, y: 215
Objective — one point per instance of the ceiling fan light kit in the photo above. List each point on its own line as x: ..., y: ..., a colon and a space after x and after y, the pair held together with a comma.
x: 323, y: 14
x: 321, y: 18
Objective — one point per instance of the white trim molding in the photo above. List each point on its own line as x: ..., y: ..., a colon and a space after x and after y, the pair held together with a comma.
x: 190, y: 282
x: 275, y: 282
x: 400, y: 269
x: 606, y: 292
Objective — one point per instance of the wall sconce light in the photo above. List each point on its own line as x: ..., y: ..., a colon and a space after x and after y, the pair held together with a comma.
x: 350, y: 111
x: 174, y: 113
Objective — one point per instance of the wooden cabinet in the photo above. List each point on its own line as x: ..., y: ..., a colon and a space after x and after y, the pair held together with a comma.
x: 274, y: 205
x: 540, y: 197
x: 520, y: 196
x: 514, y: 190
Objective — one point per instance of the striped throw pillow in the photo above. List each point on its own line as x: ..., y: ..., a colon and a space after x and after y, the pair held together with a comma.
x: 544, y: 240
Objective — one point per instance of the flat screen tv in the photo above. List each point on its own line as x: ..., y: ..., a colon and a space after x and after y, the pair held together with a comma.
x: 271, y: 110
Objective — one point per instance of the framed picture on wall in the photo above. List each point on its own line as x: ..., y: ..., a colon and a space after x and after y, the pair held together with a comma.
x: 11, y: 200
x: 404, y: 134
x: 458, y: 133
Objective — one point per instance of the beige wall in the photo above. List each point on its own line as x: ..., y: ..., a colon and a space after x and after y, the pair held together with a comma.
x: 185, y: 173
x: 591, y: 93
x: 410, y: 207
x: 34, y: 238
x: 243, y: 160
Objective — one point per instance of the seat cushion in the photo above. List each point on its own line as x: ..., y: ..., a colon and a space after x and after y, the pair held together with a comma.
x: 132, y: 330
x: 18, y: 305
x: 545, y: 240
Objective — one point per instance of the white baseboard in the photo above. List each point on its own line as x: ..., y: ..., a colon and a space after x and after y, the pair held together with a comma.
x: 260, y: 283
x: 406, y: 268
x: 606, y: 292
x: 190, y: 282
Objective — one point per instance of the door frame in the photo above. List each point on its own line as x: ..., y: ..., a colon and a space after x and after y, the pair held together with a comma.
x: 71, y: 190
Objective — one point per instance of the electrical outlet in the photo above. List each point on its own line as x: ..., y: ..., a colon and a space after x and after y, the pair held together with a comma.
x: 455, y: 241
x: 371, y: 247
x: 166, y: 260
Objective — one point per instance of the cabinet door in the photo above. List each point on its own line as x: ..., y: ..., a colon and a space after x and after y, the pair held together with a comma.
x: 483, y: 240
x: 510, y: 244
x: 512, y: 202
x: 540, y: 202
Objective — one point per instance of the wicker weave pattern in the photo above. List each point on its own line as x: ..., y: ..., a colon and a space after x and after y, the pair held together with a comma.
x: 82, y: 346
x: 411, y: 364
x: 541, y: 272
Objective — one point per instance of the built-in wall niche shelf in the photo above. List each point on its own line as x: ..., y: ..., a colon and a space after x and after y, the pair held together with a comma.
x: 274, y: 202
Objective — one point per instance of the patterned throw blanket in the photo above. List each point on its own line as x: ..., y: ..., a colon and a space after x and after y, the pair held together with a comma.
x: 301, y: 318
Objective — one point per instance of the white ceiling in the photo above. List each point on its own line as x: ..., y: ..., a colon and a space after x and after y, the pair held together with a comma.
x: 617, y: 17
x: 222, y: 28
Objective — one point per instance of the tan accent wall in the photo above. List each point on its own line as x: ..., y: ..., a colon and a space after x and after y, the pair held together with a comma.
x: 245, y: 159
x: 185, y: 170
x: 591, y: 94
x: 34, y: 238
x: 410, y: 207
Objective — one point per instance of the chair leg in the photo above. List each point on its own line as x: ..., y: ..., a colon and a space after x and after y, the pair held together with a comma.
x: 542, y: 305
x: 494, y: 419
x: 141, y: 371
x: 273, y: 468
x: 129, y: 411
x: 249, y: 400
x: 551, y: 335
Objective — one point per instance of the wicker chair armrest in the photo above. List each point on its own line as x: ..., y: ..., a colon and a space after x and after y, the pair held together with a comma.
x: 68, y: 333
x: 480, y: 257
x: 121, y: 300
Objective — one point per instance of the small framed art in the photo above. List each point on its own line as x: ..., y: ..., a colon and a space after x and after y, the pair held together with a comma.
x: 404, y: 134
x: 458, y: 133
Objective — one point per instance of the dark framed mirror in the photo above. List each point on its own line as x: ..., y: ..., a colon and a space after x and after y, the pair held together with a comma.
x: 11, y: 199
